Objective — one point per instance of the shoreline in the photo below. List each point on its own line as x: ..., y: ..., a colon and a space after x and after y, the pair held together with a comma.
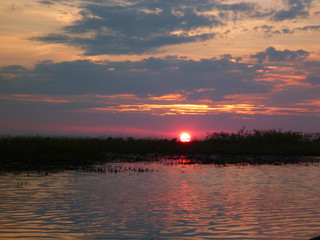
x: 171, y: 159
x: 268, y: 147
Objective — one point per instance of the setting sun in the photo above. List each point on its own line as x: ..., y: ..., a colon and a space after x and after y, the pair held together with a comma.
x: 185, y: 137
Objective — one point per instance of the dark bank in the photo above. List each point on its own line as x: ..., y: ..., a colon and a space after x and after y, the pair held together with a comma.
x: 253, y: 147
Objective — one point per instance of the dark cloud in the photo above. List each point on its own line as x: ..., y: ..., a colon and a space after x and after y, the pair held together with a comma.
x: 136, y: 28
x: 141, y: 26
x: 153, y: 76
x: 308, y: 28
x: 273, y: 55
x: 241, y: 7
x: 295, y: 9
x: 270, y: 30
x: 46, y: 2
x: 53, y: 2
x: 13, y: 68
x: 314, y: 79
x: 53, y: 38
x: 208, y: 79
x: 314, y: 69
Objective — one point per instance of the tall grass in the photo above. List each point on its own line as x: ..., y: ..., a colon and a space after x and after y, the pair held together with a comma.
x: 274, y: 142
x: 29, y: 152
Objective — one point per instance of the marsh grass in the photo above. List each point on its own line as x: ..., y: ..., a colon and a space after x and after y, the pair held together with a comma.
x: 275, y: 142
x: 42, y: 152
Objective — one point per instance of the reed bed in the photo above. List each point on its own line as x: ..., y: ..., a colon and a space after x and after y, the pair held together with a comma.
x: 38, y: 152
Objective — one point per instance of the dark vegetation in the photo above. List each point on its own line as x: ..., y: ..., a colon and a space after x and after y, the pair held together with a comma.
x: 39, y: 152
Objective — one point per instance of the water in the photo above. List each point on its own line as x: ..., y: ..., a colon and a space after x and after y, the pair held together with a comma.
x: 163, y: 201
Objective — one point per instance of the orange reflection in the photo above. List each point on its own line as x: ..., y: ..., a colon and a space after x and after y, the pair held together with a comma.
x: 248, y: 104
x: 286, y: 78
x: 117, y: 96
x: 175, y: 109
x: 161, y: 109
x: 169, y: 97
x: 196, y: 109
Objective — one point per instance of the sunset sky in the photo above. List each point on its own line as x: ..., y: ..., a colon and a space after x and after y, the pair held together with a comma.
x: 158, y: 67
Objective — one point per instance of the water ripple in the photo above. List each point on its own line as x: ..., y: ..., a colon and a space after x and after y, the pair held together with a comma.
x: 171, y: 202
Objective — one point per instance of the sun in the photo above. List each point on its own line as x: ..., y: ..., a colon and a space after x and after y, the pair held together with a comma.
x: 185, y: 137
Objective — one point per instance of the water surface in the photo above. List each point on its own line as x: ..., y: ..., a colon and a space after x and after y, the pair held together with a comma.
x: 163, y: 201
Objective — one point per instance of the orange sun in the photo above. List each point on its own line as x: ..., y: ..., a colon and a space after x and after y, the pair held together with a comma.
x: 185, y: 137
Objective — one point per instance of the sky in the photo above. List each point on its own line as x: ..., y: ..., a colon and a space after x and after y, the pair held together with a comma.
x: 158, y: 67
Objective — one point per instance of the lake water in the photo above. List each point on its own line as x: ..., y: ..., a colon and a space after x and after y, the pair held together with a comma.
x: 163, y: 200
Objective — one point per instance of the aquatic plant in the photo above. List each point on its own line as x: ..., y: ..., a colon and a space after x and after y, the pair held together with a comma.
x: 42, y: 152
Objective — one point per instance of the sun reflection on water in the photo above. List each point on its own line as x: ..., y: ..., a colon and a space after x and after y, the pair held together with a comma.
x: 180, y: 199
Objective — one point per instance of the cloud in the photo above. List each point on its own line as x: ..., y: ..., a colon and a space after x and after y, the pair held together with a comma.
x: 33, y: 98
x: 295, y: 9
x: 308, y: 28
x: 136, y: 27
x: 273, y: 55
x: 237, y: 11
x: 171, y: 85
x: 150, y: 76
x: 242, y: 7
x: 205, y: 79
x: 314, y: 69
x: 46, y: 2
x: 269, y: 29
